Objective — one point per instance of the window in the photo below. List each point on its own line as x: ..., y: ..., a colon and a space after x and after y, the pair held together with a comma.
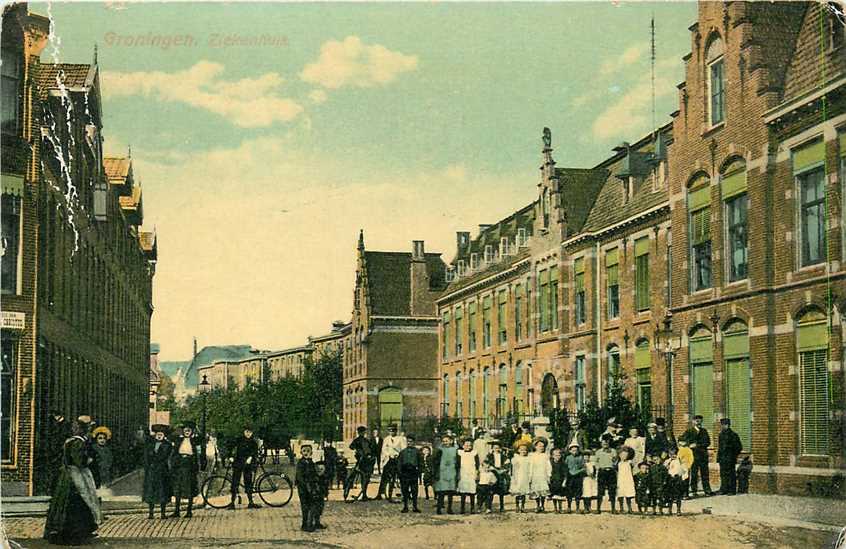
x: 812, y: 343
x: 459, y: 332
x: 528, y: 323
x: 503, y: 246
x: 10, y: 88
x: 836, y: 25
x: 471, y: 327
x: 486, y: 322
x: 502, y: 400
x: 733, y: 188
x: 518, y: 313
x: 474, y: 261
x: 489, y: 255
x: 543, y: 299
x: 701, y: 357
x: 11, y: 222
x: 613, y: 367
x: 716, y: 84
x: 581, y: 384
x: 738, y: 382
x: 486, y: 382
x: 445, y: 411
x: 641, y: 249
x: 502, y: 301
x: 553, y: 297
x: 518, y: 389
x: 545, y: 207
x: 579, y: 289
x: 699, y: 226
x: 812, y: 216
x: 472, y: 395
x: 446, y: 336
x: 643, y: 374
x: 612, y: 283
x: 8, y: 394
x: 459, y: 397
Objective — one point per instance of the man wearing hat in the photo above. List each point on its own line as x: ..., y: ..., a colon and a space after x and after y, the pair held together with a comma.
x: 157, y: 490
x: 186, y: 461
x: 244, y: 457
x: 365, y: 459
x: 578, y: 435
x: 699, y: 441
x: 525, y: 436
x: 669, y: 438
x: 653, y: 443
x: 727, y: 452
x: 392, y: 445
x: 308, y: 489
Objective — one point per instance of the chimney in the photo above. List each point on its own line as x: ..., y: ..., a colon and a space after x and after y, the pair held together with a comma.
x: 420, y: 299
x: 417, y: 250
x: 195, y: 347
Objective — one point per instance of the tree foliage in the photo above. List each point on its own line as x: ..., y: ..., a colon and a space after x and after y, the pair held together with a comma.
x: 278, y: 410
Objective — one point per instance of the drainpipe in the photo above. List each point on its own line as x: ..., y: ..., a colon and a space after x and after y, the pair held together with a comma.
x: 598, y: 316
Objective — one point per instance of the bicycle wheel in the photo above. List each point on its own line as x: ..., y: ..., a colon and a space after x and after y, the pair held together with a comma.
x: 274, y: 489
x: 216, y: 491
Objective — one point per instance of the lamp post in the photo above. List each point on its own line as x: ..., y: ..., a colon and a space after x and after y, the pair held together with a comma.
x: 204, y: 388
x: 663, y: 340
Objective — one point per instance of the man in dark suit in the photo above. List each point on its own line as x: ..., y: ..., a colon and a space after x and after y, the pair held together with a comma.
x: 377, y: 441
x: 244, y: 459
x: 730, y: 447
x: 699, y: 441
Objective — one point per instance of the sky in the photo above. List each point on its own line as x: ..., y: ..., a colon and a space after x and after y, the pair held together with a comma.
x: 265, y: 135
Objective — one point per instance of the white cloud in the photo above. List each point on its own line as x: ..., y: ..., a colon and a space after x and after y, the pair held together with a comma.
x: 353, y: 63
x: 631, y: 114
x: 317, y: 96
x: 248, y: 102
x: 629, y: 57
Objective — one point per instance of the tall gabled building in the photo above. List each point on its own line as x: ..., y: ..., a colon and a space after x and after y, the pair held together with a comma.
x: 390, y: 372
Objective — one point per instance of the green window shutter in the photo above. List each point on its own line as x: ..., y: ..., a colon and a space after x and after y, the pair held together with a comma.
x: 699, y: 198
x: 643, y: 356
x: 642, y: 283
x: 739, y: 399
x: 701, y: 350
x: 703, y: 392
x: 700, y: 226
x: 579, y: 265
x: 733, y: 184
x: 813, y: 396
x: 580, y: 282
x: 612, y: 257
x: 736, y: 345
x: 644, y: 375
x: 503, y: 296
x: 808, y: 156
x: 613, y: 275
x: 641, y: 246
x: 553, y: 275
x: 812, y: 336
x: 486, y: 302
x: 458, y: 313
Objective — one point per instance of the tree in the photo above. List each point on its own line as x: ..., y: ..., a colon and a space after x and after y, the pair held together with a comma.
x: 164, y: 398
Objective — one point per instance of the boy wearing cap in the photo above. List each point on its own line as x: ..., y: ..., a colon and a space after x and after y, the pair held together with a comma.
x: 308, y: 489
x: 410, y: 464
x: 244, y: 459
x: 729, y: 448
x: 365, y: 459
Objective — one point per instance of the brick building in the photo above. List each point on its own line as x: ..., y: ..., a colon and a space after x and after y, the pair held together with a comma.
x: 77, y: 283
x: 390, y: 371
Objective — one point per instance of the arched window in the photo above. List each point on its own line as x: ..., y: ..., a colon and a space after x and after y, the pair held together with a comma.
x: 716, y: 81
x: 736, y: 203
x: 701, y: 358
x: 812, y: 344
x: 549, y: 394
x: 738, y: 382
x: 643, y: 372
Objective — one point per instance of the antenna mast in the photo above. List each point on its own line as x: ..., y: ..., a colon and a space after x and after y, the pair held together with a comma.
x: 652, y: 58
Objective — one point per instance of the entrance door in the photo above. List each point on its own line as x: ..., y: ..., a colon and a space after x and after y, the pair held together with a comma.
x: 390, y: 406
x: 549, y: 394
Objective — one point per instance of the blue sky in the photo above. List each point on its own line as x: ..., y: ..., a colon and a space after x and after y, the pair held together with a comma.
x: 259, y: 163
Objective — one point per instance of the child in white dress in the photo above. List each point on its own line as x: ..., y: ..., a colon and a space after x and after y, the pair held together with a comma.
x: 540, y: 471
x: 590, y: 488
x: 520, y: 475
x: 468, y: 475
x: 625, y: 478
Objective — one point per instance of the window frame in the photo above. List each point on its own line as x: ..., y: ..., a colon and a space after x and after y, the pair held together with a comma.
x: 502, y: 316
x: 643, y: 287
x: 16, y: 248
x: 580, y: 382
x: 471, y: 327
x: 12, y: 126
x: 800, y: 178
x: 730, y: 228
x: 715, y: 59
x: 458, y: 317
x: 700, y: 254
x: 612, y: 310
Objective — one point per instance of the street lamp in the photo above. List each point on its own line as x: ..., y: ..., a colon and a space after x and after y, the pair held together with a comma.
x: 663, y: 341
x: 204, y: 388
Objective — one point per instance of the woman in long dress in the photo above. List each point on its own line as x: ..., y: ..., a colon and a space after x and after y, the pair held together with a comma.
x: 74, y: 513
x: 446, y: 467
x: 157, y: 453
x: 625, y: 478
x: 468, y: 475
x: 521, y: 476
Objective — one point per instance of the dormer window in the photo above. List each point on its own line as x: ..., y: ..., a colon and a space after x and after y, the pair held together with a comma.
x: 489, y: 254
x: 460, y: 267
x: 716, y: 82
x: 474, y: 261
x: 522, y: 239
x: 450, y: 275
x: 503, y: 247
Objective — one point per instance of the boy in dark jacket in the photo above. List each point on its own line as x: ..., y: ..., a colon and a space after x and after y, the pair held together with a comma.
x: 308, y: 488
x: 410, y: 464
x: 658, y: 480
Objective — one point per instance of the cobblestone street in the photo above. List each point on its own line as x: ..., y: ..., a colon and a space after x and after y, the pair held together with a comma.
x: 379, y: 524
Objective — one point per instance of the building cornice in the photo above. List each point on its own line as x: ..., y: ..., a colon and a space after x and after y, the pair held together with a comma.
x: 517, y: 267
x: 790, y: 107
x: 640, y: 216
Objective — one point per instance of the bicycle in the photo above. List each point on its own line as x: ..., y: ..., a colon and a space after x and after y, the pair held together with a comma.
x: 356, y: 473
x: 274, y: 489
